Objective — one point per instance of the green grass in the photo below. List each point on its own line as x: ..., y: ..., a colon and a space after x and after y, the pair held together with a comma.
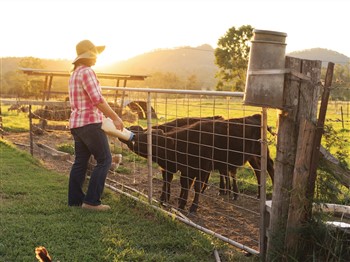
x: 34, y: 212
x: 67, y: 148
x: 13, y: 121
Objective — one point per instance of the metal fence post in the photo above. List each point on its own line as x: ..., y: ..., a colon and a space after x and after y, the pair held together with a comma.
x: 149, y: 146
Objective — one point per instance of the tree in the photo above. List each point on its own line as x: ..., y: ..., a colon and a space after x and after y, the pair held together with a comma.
x: 165, y: 80
x: 31, y: 62
x: 192, y: 83
x: 14, y: 83
x: 341, y: 82
x: 231, y: 56
x: 23, y: 86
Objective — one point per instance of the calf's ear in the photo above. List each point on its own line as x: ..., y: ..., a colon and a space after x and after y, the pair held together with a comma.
x: 158, y: 132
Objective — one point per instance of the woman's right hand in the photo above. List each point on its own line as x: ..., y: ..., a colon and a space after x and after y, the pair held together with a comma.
x: 118, y: 123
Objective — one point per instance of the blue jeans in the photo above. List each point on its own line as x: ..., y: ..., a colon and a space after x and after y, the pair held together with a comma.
x: 89, y: 140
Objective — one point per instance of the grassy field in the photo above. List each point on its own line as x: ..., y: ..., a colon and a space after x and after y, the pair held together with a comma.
x: 34, y: 212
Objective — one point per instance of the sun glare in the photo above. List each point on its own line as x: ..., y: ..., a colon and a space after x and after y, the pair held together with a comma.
x: 103, y: 61
x: 155, y: 24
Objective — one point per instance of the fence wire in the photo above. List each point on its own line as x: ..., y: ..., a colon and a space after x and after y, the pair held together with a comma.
x: 238, y: 221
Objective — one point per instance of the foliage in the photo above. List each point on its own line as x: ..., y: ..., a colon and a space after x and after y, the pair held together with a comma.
x: 324, y: 243
x: 31, y: 62
x: 67, y: 148
x: 340, y: 89
x: 16, y: 83
x: 341, y: 73
x: 124, y: 170
x: 165, y: 80
x: 232, y: 55
x: 192, y: 82
x: 340, y: 92
x: 318, y: 242
x: 334, y: 140
x: 328, y: 189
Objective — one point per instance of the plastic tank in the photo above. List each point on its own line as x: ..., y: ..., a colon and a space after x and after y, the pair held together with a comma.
x: 266, y: 69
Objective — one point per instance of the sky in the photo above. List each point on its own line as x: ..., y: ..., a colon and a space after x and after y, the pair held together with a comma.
x: 52, y: 28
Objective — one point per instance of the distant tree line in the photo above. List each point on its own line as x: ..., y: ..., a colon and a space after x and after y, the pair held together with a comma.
x: 15, y: 83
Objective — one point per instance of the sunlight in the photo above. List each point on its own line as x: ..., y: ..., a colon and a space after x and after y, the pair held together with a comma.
x: 104, y: 61
x: 156, y: 24
x: 115, y: 53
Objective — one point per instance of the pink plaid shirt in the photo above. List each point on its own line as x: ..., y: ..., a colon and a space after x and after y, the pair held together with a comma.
x: 84, y: 95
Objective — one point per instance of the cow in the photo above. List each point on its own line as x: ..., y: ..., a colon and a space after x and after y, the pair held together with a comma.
x: 182, y: 122
x: 225, y: 174
x: 176, y: 124
x: 182, y: 153
x: 197, y: 149
x: 252, y: 152
x: 172, y: 126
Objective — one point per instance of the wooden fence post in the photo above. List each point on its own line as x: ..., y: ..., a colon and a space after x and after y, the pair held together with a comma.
x: 320, y: 127
x: 300, y: 102
x: 298, y: 199
x: 305, y: 170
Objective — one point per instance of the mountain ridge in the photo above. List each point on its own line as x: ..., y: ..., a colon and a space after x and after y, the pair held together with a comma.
x: 323, y: 54
x: 184, y: 62
x: 200, y: 61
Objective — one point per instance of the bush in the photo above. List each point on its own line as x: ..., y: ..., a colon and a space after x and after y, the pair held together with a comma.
x: 67, y: 148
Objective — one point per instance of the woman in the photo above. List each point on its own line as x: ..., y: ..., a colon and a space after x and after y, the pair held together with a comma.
x: 88, y: 106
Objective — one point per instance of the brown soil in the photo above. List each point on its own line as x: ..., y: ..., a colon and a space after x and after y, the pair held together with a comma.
x: 237, y: 220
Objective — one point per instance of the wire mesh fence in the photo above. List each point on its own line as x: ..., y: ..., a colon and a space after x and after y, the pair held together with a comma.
x: 206, y: 148
x: 236, y: 221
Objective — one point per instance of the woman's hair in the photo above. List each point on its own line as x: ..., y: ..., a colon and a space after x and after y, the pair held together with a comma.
x: 84, y: 61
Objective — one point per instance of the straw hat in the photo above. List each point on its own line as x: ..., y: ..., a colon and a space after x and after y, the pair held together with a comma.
x: 86, y: 49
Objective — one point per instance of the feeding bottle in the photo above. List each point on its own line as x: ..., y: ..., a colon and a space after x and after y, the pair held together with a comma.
x: 110, y: 129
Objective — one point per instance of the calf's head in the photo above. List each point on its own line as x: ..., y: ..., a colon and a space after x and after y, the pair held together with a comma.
x: 160, y: 143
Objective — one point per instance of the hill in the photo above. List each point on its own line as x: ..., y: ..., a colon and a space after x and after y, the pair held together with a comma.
x: 11, y: 64
x: 183, y: 61
x: 200, y: 61
x: 325, y: 55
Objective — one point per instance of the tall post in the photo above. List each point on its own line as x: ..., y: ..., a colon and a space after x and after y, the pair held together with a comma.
x: 319, y: 132
x: 122, y: 99
x: 300, y: 103
x: 31, y: 129
x: 149, y: 147
x: 298, y: 200
x: 263, y: 174
x: 1, y: 126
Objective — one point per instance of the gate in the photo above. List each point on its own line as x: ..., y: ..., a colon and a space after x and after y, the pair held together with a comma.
x: 238, y: 222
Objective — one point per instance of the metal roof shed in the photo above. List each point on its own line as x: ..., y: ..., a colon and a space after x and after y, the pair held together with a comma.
x: 49, y: 74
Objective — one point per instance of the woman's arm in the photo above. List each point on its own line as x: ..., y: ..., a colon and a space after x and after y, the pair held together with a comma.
x: 109, y: 112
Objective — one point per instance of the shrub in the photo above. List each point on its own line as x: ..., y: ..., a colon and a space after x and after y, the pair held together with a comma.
x: 67, y: 148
